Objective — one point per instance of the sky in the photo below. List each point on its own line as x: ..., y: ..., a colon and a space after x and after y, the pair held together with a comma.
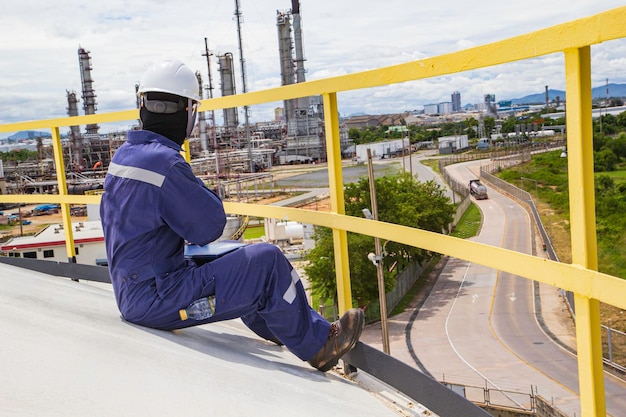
x: 40, y: 39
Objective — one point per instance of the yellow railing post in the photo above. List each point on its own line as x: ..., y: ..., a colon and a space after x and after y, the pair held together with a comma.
x: 337, y: 203
x: 583, y: 226
x: 62, y: 186
x: 186, y: 151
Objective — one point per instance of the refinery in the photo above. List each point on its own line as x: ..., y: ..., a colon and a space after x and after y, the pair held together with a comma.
x: 227, y: 155
x: 235, y: 155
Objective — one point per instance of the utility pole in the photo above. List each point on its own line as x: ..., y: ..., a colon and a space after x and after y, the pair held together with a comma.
x: 382, y: 298
x: 207, y: 54
x: 243, y: 79
x: 606, y: 101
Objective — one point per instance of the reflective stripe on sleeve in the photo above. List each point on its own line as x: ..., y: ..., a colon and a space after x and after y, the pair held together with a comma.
x: 135, y: 173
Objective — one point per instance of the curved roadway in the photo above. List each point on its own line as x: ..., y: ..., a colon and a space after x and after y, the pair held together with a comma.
x: 478, y: 328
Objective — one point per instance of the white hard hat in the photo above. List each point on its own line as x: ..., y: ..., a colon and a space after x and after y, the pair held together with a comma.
x: 170, y: 76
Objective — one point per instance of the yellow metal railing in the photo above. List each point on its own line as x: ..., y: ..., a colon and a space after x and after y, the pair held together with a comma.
x: 573, y: 39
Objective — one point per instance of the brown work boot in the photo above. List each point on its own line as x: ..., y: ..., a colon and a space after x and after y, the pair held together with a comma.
x: 343, y: 335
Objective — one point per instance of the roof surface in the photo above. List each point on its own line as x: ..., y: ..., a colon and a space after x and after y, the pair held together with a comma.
x: 65, y: 351
x: 85, y: 231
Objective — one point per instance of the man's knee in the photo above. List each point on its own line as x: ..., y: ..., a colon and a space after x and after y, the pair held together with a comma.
x: 266, y: 251
x: 268, y: 259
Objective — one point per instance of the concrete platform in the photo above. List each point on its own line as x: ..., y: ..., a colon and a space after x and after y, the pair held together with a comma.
x: 65, y: 351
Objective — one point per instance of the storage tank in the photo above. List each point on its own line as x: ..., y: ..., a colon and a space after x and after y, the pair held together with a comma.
x: 283, y: 231
x: 232, y: 225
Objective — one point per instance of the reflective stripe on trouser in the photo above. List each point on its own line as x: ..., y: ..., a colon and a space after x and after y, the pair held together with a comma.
x: 258, y: 284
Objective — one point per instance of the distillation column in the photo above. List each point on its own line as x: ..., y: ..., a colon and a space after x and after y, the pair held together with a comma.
x: 76, y: 144
x: 89, y: 94
x: 227, y: 77
x: 304, y: 115
x: 303, y: 102
x: 313, y: 103
x: 285, y: 48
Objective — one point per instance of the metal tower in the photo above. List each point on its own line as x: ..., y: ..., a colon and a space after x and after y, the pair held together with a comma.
x: 76, y: 140
x: 89, y: 94
x: 216, y: 148
x: 72, y: 110
x: 285, y: 48
x: 297, y: 37
x: 201, y: 118
x: 291, y: 53
x: 227, y: 77
x: 242, y: 61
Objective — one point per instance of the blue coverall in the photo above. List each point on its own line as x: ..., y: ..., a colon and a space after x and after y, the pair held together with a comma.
x: 152, y: 205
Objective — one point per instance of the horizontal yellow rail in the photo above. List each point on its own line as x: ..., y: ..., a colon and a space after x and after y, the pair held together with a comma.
x: 573, y: 40
x: 111, y: 117
x: 50, y: 199
x: 589, y: 283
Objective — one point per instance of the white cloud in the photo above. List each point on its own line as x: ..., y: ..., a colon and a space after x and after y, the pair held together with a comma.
x: 39, y: 42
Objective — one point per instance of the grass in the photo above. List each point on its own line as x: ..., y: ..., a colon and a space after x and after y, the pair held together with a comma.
x: 433, y: 163
x: 469, y: 225
x: 254, y: 232
x: 546, y: 180
x: 618, y: 176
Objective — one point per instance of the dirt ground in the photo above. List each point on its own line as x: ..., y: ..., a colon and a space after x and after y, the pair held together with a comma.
x: 321, y: 205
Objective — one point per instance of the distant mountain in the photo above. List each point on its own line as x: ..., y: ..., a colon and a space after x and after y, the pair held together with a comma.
x: 29, y: 134
x: 615, y: 90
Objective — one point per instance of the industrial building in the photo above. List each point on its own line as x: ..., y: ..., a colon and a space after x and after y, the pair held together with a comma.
x: 452, y: 144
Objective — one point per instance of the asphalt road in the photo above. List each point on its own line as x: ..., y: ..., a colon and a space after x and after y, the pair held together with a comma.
x: 425, y: 173
x: 318, y: 178
x: 479, y: 327
x: 485, y: 326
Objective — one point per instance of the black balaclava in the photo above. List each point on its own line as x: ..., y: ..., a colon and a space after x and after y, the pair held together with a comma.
x: 171, y: 125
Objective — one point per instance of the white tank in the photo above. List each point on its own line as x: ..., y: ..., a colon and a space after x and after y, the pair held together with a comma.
x: 283, y: 230
x: 233, y: 223
x: 293, y: 230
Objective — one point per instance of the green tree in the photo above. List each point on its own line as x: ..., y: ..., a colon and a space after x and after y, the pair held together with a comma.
x: 608, y: 123
x: 19, y: 155
x: 621, y: 119
x: 470, y: 127
x: 618, y: 145
x: 599, y: 141
x: 449, y: 129
x: 604, y: 160
x: 604, y: 184
x: 354, y: 134
x: 401, y: 200
x: 490, y: 124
